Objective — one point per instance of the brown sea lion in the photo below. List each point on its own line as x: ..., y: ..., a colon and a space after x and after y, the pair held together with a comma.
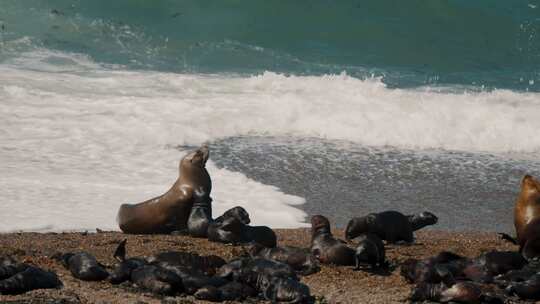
x: 170, y: 211
x: 527, y: 217
x: 326, y: 248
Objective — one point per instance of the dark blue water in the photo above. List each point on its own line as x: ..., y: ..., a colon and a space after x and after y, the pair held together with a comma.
x: 482, y: 44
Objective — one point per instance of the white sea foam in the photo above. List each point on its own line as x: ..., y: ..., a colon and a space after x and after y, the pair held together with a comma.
x: 76, y: 143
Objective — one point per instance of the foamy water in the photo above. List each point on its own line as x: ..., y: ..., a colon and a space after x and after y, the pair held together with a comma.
x: 77, y: 139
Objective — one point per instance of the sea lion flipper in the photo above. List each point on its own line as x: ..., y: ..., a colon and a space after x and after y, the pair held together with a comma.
x: 120, y: 252
x: 508, y: 238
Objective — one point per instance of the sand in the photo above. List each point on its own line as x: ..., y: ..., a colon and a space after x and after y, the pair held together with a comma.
x: 331, y: 285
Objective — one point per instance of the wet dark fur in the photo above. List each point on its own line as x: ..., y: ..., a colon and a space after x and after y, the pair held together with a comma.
x: 391, y: 226
x: 325, y: 247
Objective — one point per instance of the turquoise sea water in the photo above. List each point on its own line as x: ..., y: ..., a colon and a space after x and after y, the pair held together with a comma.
x: 479, y: 44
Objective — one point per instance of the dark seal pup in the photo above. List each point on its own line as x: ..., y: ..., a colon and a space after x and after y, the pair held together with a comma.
x: 300, y: 259
x: 232, y: 227
x: 325, y: 247
x: 170, y: 211
x: 84, y: 266
x: 29, y: 279
x: 391, y: 226
x: 228, y: 228
x: 370, y: 250
x: 200, y: 217
x: 462, y: 292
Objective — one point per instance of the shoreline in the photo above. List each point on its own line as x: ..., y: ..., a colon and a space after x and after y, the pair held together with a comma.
x: 334, y: 284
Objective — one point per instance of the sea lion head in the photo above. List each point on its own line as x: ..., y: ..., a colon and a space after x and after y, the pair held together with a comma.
x: 529, y: 184
x: 356, y: 227
x: 319, y: 223
x: 239, y: 213
x: 196, y: 159
x: 428, y: 218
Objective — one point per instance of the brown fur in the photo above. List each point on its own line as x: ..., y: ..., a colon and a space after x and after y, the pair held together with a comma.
x: 527, y: 207
x: 170, y: 211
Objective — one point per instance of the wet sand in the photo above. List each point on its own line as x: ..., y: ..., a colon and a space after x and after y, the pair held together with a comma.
x: 331, y: 285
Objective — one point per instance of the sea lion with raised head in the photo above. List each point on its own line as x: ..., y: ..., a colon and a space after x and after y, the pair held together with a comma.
x: 391, y: 226
x: 422, y: 219
x: 170, y: 211
x: 527, y: 219
x: 326, y: 248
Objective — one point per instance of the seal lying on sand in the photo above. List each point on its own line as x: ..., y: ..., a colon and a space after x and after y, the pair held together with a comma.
x: 462, y: 292
x: 84, y: 266
x: 29, y: 279
x: 391, y: 226
x: 483, y: 268
x: 232, y: 227
x: 170, y: 211
x: 300, y: 259
x: 325, y: 247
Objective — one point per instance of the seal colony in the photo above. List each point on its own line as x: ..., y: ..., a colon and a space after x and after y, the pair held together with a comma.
x: 269, y: 272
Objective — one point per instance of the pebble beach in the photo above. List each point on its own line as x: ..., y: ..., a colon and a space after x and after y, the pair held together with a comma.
x: 332, y: 284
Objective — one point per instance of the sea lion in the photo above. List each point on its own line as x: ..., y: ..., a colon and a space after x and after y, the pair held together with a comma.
x: 259, y: 234
x: 228, y: 228
x: 122, y: 272
x: 238, y: 267
x: 528, y: 289
x: 463, y: 292
x: 370, y: 250
x: 277, y: 289
x: 157, y: 280
x: 300, y: 259
x: 84, y: 266
x: 200, y: 217
x: 326, y: 248
x: 391, y: 226
x: 10, y: 267
x: 232, y: 227
x: 434, y: 269
x: 422, y: 219
x: 527, y: 217
x: 232, y: 291
x: 29, y: 279
x: 170, y: 211
x: 191, y: 262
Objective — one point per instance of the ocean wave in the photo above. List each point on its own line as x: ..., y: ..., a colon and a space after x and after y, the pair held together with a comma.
x: 407, y: 44
x: 77, y: 139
